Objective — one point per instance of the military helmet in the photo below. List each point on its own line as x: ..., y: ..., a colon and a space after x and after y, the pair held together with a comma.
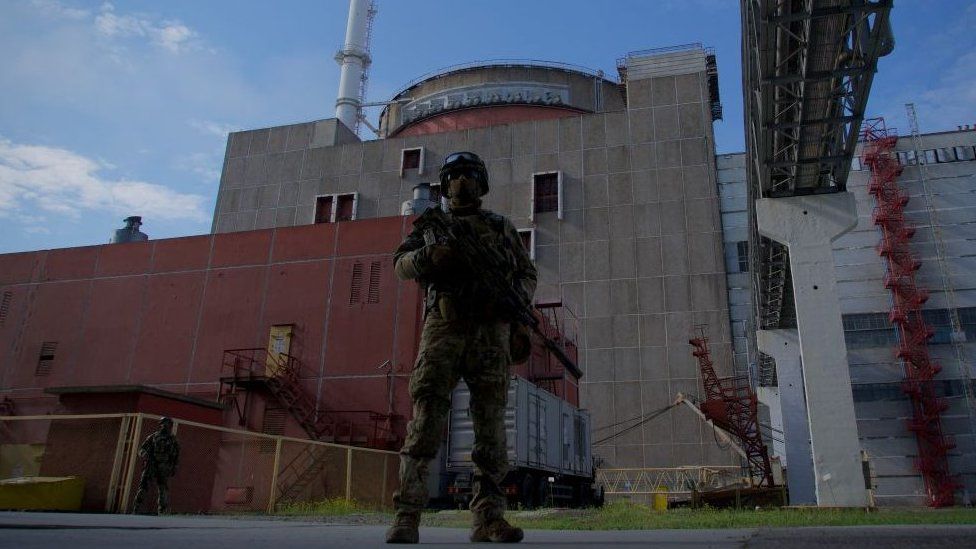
x: 465, y: 162
x: 164, y: 421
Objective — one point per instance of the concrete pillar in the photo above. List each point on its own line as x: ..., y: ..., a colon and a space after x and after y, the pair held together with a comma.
x: 807, y: 225
x: 784, y: 347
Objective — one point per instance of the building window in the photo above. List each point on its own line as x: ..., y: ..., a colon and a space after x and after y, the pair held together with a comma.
x: 868, y: 330
x: 528, y: 241
x: 965, y: 153
x: 945, y: 155
x: 967, y: 318
x: 928, y: 156
x: 907, y: 158
x: 547, y: 193
x: 45, y: 361
x: 323, y: 209
x: 742, y: 253
x: 412, y: 159
x: 938, y: 320
x: 331, y: 208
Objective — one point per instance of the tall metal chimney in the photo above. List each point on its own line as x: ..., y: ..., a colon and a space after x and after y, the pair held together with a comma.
x: 354, y: 59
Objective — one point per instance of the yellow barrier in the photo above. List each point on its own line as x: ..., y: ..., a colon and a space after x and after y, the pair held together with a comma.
x: 42, y: 493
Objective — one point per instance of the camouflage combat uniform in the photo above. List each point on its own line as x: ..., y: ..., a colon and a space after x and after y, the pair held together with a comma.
x: 161, y: 453
x: 463, y: 338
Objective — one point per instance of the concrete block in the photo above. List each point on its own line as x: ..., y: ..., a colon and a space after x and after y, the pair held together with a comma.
x: 673, y: 217
x: 677, y: 293
x: 660, y: 454
x: 594, y: 162
x: 548, y: 162
x: 569, y: 133
x: 700, y: 216
x: 690, y: 120
x: 686, y: 429
x: 679, y: 326
x: 599, y: 332
x: 708, y: 292
x: 627, y: 403
x: 595, y: 191
x: 255, y: 170
x: 373, y: 152
x: 523, y: 139
x: 291, y: 166
x: 697, y: 182
x: 238, y: 145
x: 645, y: 184
x: 572, y: 194
x: 596, y: 259
x: 681, y: 363
x: 639, y: 94
x: 250, y: 198
x: 571, y: 164
x: 630, y: 453
x: 288, y: 194
x: 499, y: 172
x: 265, y: 219
x: 623, y: 296
x: 649, y: 257
x: 313, y: 164
x: 594, y: 132
x: 228, y: 201
x: 650, y: 294
x: 521, y: 196
x: 599, y: 365
x: 597, y: 223
x: 546, y: 136
x: 245, y: 221
x: 674, y: 254
x: 298, y: 137
x: 623, y: 258
x: 663, y: 91
x: 479, y: 141
x: 571, y: 227
x: 693, y: 151
x: 671, y: 184
x: 620, y: 189
x: 597, y: 295
x: 305, y: 214
x: 351, y: 161
x: 572, y: 295
x: 571, y: 262
x: 501, y: 142
x: 621, y: 222
x: 647, y: 220
x: 643, y: 156
x: 617, y: 128
x: 268, y: 197
x: 641, y: 125
x: 625, y: 330
x: 701, y: 253
x: 259, y: 141
x: 522, y: 169
x: 669, y: 154
x: 653, y: 330
x: 666, y: 123
x: 277, y: 139
x: 284, y: 217
x: 654, y: 366
x: 688, y: 88
x: 232, y: 174
x: 547, y: 263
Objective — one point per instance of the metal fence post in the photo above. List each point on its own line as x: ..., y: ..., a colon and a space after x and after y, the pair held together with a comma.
x: 386, y: 473
x: 349, y: 474
x: 274, y: 475
x: 131, y: 468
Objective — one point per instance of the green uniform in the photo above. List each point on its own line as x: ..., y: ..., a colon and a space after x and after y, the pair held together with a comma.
x: 161, y: 453
x: 463, y: 338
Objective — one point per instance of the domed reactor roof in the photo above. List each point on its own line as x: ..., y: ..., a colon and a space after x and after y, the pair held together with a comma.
x: 497, y: 92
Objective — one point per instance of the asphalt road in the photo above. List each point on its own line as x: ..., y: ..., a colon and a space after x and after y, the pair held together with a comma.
x: 79, y: 531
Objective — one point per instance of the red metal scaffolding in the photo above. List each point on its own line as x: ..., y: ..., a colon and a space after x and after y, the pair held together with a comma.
x: 907, y: 299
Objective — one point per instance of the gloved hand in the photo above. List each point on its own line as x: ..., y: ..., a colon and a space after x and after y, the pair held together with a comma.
x: 444, y: 259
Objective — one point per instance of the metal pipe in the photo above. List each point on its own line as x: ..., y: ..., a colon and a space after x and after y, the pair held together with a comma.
x: 354, y: 59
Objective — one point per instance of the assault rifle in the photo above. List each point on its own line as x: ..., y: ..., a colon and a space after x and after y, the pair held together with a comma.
x: 491, y: 268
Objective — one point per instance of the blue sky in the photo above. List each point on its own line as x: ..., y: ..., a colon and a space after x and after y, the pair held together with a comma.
x: 112, y: 109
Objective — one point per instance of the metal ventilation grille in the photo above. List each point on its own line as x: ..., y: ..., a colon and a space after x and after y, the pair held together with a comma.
x: 356, y: 290
x: 373, y: 292
x: 274, y: 424
x: 46, y: 359
x: 5, y: 306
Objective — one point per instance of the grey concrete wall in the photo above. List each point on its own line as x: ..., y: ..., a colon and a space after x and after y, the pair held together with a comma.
x: 860, y: 272
x: 638, y: 255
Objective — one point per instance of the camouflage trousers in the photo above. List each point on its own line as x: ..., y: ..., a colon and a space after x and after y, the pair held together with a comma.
x: 162, y: 487
x: 450, y: 351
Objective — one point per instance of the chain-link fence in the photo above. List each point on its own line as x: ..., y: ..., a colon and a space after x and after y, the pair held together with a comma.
x: 219, y: 469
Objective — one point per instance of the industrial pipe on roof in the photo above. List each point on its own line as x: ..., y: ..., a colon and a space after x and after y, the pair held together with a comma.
x: 354, y: 59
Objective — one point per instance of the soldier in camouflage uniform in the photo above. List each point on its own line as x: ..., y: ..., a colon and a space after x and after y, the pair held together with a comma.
x: 161, y: 453
x: 463, y: 338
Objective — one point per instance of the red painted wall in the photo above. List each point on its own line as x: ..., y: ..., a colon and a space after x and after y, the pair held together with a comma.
x: 482, y: 117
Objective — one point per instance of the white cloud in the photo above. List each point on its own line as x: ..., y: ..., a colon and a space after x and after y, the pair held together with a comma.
x: 53, y: 8
x: 216, y: 129
x: 173, y: 36
x: 36, y: 178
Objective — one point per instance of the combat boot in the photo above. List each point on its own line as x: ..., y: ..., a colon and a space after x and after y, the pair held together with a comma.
x: 496, y: 531
x: 405, y: 529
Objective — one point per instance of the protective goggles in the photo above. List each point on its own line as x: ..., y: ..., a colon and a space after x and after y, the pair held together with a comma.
x: 456, y: 173
x: 461, y: 157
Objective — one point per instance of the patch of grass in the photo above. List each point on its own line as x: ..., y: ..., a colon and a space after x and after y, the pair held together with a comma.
x: 631, y: 516
x: 325, y: 508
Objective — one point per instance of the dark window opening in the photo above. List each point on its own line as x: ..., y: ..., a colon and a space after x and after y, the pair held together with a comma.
x: 323, y: 209
x: 46, y: 359
x: 868, y: 330
x: 742, y: 254
x: 546, y: 192
x: 411, y: 159
x: 345, y: 207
